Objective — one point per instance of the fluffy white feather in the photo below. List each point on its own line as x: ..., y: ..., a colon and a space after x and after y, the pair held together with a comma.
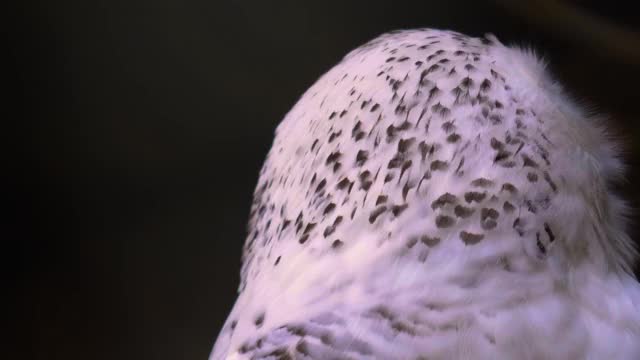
x: 436, y: 196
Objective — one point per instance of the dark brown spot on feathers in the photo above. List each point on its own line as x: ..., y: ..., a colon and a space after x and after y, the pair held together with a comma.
x: 328, y: 230
x: 466, y: 82
x: 508, y: 207
x: 303, y: 348
x: 439, y: 165
x: 488, y: 217
x: 553, y: 185
x: 547, y: 229
x: 429, y: 241
x: 361, y: 157
x: 334, y: 135
x: 424, y: 148
x: 398, y: 209
x: 444, y: 221
x: 540, y: 245
x: 405, y: 166
x: 435, y: 91
x: 329, y: 208
x: 509, y: 187
x: 472, y: 196
x: 333, y: 157
x: 518, y: 225
x: 343, y: 184
x: 432, y: 68
x: 453, y: 138
x: 531, y: 207
x: 356, y: 129
x: 405, y: 125
x: 321, y: 185
x: 496, y: 144
x: 405, y: 144
x: 528, y: 161
x: 405, y: 189
x: 485, y: 85
x: 377, y: 212
x: 501, y: 155
x: 259, y: 320
x: 495, y: 118
x: 488, y: 224
x: 395, y: 162
x: 440, y: 110
x: 309, y: 227
x: 470, y: 238
x: 448, y: 126
x: 285, y: 223
x: 482, y: 182
x: 489, y: 213
x: 463, y: 211
x: 391, y: 132
x: 443, y: 200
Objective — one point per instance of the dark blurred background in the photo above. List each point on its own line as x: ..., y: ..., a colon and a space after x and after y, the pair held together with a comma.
x: 141, y: 127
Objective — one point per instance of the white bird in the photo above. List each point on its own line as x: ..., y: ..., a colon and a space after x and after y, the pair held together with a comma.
x: 436, y: 196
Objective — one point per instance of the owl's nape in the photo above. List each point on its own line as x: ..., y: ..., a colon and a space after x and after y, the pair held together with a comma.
x: 436, y: 196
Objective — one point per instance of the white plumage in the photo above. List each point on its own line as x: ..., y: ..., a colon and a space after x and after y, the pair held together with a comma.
x: 436, y: 196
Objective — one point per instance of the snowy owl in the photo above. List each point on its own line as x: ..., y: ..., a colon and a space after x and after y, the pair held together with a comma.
x: 436, y: 196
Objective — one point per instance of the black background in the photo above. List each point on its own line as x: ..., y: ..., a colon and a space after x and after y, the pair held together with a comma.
x: 141, y: 127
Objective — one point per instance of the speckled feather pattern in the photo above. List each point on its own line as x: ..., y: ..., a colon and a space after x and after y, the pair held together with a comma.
x: 436, y: 196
